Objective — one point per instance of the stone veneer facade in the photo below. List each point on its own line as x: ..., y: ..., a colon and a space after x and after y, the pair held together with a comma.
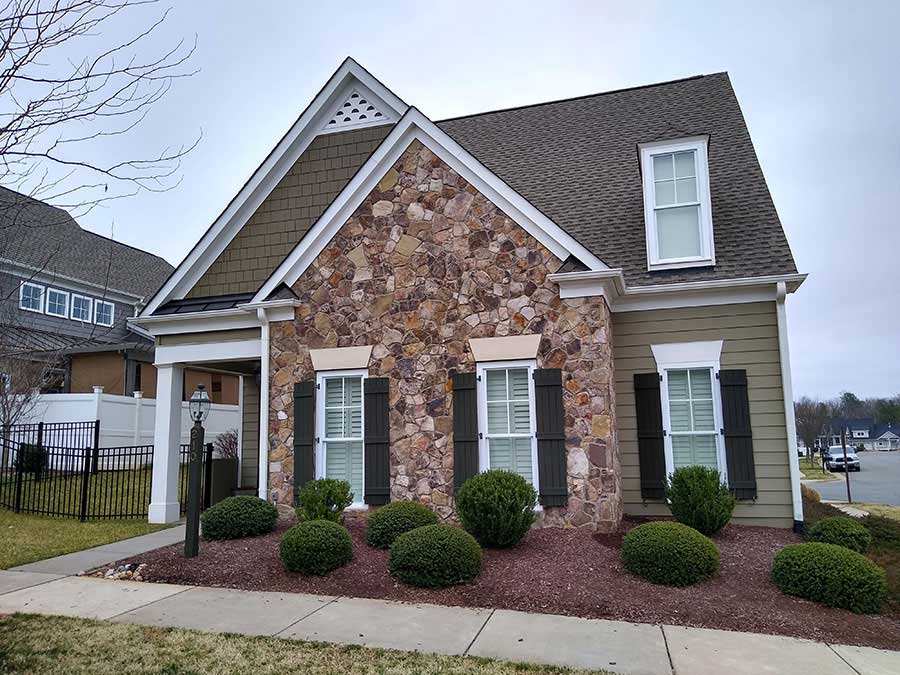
x: 425, y: 263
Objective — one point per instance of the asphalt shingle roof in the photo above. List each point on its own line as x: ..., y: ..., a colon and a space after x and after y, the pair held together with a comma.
x: 47, y: 238
x: 577, y: 161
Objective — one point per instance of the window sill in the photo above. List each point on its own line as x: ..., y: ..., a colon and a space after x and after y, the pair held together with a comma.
x: 31, y: 309
x: 358, y: 506
x: 680, y: 264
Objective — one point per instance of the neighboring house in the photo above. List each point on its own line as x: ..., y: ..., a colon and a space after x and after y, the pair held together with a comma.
x: 588, y: 292
x: 65, y: 296
x: 861, y: 432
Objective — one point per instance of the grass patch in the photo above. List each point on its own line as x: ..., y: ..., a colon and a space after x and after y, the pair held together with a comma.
x: 883, y: 523
x: 811, y: 467
x: 63, y: 646
x: 25, y: 538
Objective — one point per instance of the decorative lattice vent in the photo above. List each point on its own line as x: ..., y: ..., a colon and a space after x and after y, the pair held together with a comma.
x: 357, y: 109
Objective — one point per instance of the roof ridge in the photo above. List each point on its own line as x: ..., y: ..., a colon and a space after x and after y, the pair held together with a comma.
x: 582, y: 97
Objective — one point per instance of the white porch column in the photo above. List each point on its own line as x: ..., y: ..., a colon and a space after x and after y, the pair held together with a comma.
x: 263, y: 490
x: 164, y: 505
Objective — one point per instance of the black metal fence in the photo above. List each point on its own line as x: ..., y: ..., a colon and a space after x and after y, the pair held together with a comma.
x: 59, y: 470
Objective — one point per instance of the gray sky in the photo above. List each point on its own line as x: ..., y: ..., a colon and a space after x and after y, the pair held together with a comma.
x: 817, y: 83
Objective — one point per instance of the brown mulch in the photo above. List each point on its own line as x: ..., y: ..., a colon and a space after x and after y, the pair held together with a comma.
x: 555, y: 571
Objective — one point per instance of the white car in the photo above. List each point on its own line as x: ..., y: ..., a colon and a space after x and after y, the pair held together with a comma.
x: 834, y: 459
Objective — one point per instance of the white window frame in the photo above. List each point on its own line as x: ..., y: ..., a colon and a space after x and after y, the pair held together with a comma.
x: 90, y: 301
x: 697, y: 144
x: 359, y: 504
x: 43, y: 290
x: 65, y: 314
x: 484, y: 456
x: 691, y: 356
x: 112, y: 312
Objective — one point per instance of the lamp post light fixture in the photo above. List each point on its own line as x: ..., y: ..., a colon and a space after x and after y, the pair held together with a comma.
x: 198, y: 407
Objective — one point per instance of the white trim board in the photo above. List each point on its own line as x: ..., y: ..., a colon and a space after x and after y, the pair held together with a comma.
x: 414, y: 126
x: 285, y: 154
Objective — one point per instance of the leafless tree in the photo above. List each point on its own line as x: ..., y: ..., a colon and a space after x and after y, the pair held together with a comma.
x: 811, y: 415
x: 226, y: 444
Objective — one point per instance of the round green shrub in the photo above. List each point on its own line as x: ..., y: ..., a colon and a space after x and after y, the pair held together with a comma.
x: 434, y: 556
x: 841, y: 531
x: 236, y: 517
x: 698, y: 498
x: 316, y: 547
x: 832, y: 575
x: 496, y: 507
x: 324, y: 499
x: 669, y: 553
x: 392, y: 520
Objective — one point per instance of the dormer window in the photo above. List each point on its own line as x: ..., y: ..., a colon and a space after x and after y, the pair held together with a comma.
x: 677, y: 208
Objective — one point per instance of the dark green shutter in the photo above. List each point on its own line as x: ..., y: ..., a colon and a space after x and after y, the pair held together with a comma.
x: 304, y: 434
x: 377, y: 445
x: 551, y: 437
x: 738, y: 435
x: 650, y: 435
x: 465, y: 428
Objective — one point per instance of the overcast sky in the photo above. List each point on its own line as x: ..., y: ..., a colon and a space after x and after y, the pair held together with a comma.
x: 817, y: 82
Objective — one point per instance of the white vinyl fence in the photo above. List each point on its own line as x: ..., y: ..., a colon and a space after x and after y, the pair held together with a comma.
x: 125, y: 420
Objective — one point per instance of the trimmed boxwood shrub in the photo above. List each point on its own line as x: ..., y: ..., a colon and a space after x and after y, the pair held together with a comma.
x: 832, y: 575
x: 434, y: 556
x: 392, y: 520
x: 496, y: 507
x: 236, y: 517
x: 324, y: 499
x: 842, y: 531
x: 316, y: 547
x: 698, y: 498
x: 669, y: 553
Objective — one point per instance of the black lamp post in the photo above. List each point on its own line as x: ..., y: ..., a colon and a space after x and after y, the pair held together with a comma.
x: 199, y: 409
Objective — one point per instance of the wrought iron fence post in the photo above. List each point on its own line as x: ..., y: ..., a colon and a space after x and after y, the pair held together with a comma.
x: 96, y: 452
x: 85, y: 483
x: 20, y: 466
x: 40, y: 454
x: 207, y: 478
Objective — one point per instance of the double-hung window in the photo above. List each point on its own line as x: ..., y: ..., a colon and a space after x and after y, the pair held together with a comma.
x: 677, y: 208
x: 506, y: 412
x: 81, y: 308
x: 57, y: 303
x: 104, y: 313
x: 339, y: 400
x: 31, y: 297
x: 692, y: 417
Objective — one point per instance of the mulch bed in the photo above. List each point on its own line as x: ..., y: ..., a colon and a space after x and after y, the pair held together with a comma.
x: 555, y: 571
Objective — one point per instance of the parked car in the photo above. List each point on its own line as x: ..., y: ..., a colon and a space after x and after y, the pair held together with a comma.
x: 834, y: 459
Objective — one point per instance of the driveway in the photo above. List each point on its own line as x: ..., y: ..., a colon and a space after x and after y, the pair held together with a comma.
x: 877, y: 483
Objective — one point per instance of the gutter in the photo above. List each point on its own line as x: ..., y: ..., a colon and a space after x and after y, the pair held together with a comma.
x: 788, y: 391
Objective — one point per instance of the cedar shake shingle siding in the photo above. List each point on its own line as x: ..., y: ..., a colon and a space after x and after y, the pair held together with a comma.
x: 289, y: 211
x: 750, y: 334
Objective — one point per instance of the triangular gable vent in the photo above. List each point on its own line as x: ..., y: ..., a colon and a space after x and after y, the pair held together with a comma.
x: 356, y: 110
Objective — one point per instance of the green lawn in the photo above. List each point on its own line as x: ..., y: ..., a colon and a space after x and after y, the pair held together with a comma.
x: 883, y: 522
x: 61, y: 646
x: 812, y: 469
x: 25, y: 538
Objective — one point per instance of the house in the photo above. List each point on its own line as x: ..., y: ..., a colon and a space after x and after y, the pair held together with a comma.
x: 65, y: 297
x: 861, y: 432
x: 588, y: 292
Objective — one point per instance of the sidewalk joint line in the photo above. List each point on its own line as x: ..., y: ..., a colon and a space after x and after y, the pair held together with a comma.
x: 666, y: 645
x: 466, y: 650
x: 146, y: 604
x: 306, y: 616
x: 836, y: 653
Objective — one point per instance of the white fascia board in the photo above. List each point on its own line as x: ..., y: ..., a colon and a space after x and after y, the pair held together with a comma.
x: 266, y: 177
x: 415, y: 126
x: 621, y: 298
x: 242, y: 316
x: 209, y: 352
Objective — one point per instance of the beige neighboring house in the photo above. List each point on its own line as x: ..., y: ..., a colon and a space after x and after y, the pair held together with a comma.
x: 588, y: 292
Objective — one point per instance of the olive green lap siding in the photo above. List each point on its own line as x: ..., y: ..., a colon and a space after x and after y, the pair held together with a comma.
x: 250, y: 434
x: 750, y: 335
x: 289, y: 211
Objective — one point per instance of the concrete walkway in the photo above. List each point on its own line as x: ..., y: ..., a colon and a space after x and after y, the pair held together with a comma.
x: 637, y: 649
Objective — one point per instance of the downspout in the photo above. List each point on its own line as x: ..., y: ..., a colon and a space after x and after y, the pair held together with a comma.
x: 788, y: 389
x: 263, y: 403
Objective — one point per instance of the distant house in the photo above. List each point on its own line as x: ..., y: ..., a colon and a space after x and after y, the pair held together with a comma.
x: 861, y: 432
x: 65, y: 296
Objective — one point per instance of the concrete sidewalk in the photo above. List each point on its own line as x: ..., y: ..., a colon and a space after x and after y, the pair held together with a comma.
x: 616, y: 646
